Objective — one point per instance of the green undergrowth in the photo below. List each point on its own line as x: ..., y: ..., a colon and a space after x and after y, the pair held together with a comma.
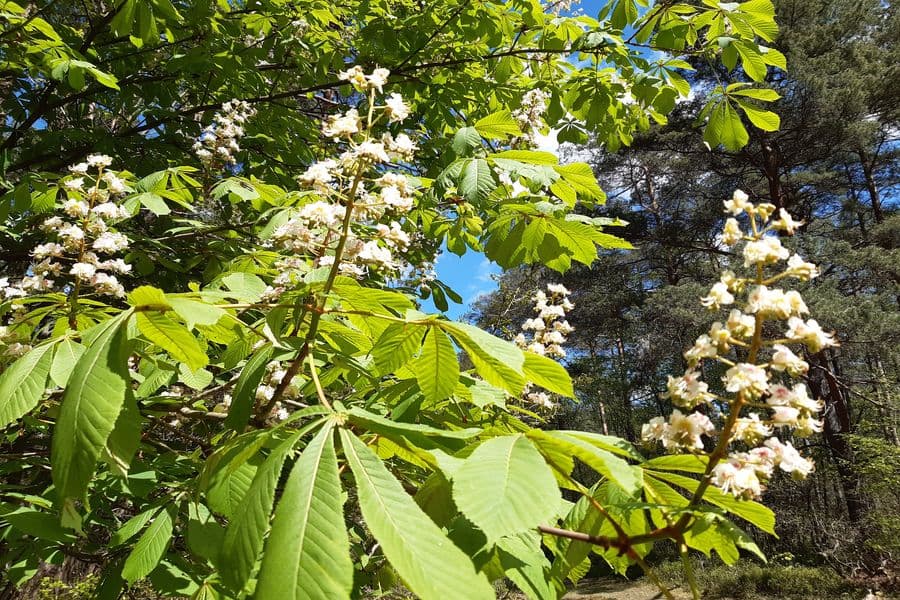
x: 753, y: 581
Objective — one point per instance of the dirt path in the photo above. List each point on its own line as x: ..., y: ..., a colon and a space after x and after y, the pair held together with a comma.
x: 602, y: 589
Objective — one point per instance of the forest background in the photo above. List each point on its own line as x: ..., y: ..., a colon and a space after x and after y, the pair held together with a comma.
x: 835, y: 163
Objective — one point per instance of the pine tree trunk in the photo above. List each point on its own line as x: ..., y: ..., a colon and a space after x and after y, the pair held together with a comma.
x: 824, y: 384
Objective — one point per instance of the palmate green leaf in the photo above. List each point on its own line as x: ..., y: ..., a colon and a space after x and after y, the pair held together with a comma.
x: 172, y: 337
x: 430, y: 564
x: 150, y: 548
x: 436, y: 368
x: 308, y: 553
x: 23, y: 383
x: 244, y: 536
x: 97, y: 389
x: 505, y: 487
x: 751, y: 511
x: 602, y: 461
x: 725, y: 127
x: 714, y: 532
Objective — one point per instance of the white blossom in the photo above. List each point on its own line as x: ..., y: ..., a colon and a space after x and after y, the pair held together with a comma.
x: 748, y: 379
x: 396, y: 108
x: 810, y: 333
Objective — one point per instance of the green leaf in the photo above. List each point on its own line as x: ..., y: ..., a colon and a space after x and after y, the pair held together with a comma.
x: 531, y: 157
x: 131, y: 527
x: 23, y: 383
x: 465, y: 138
x: 125, y: 438
x: 244, y: 537
x: 692, y: 463
x: 172, y: 337
x: 476, y: 180
x: 98, y: 387
x: 763, y: 119
x: 751, y: 60
x: 505, y: 487
x: 761, y: 94
x: 603, y: 462
x: 149, y: 549
x: 396, y: 346
x: 245, y: 287
x: 308, y: 552
x: 436, y: 368
x: 196, y: 313
x: 724, y: 127
x: 751, y: 511
x: 498, y: 126
x: 499, y: 362
x: 64, y: 358
x: 245, y: 389
x: 430, y: 564
x: 149, y: 297
x: 548, y: 374
x: 423, y: 436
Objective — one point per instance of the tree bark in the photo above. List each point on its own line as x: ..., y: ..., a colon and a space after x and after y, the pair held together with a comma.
x: 823, y: 383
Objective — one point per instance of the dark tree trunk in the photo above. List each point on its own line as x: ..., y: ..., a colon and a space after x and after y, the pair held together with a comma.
x: 824, y: 384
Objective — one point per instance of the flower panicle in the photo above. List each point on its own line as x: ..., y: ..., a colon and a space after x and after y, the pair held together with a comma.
x: 548, y: 333
x: 755, y: 391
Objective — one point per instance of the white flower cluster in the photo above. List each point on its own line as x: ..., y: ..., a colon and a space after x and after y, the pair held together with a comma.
x: 379, y: 198
x: 218, y: 143
x: 530, y: 114
x: 548, y: 332
x: 549, y: 328
x: 81, y: 244
x: 754, y: 363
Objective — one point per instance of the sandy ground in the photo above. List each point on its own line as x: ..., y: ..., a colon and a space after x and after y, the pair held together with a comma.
x: 620, y: 590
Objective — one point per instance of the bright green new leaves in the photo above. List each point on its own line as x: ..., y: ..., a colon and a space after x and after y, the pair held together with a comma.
x: 250, y: 521
x: 429, y: 563
x: 172, y: 337
x: 498, y: 126
x: 97, y: 389
x: 245, y: 388
x: 436, y: 368
x: 497, y: 361
x: 505, y: 487
x: 23, y: 383
x: 606, y: 463
x: 64, y: 358
x: 308, y: 553
x: 723, y: 123
x: 548, y: 374
x: 751, y: 511
x: 150, y: 548
x: 151, y: 305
